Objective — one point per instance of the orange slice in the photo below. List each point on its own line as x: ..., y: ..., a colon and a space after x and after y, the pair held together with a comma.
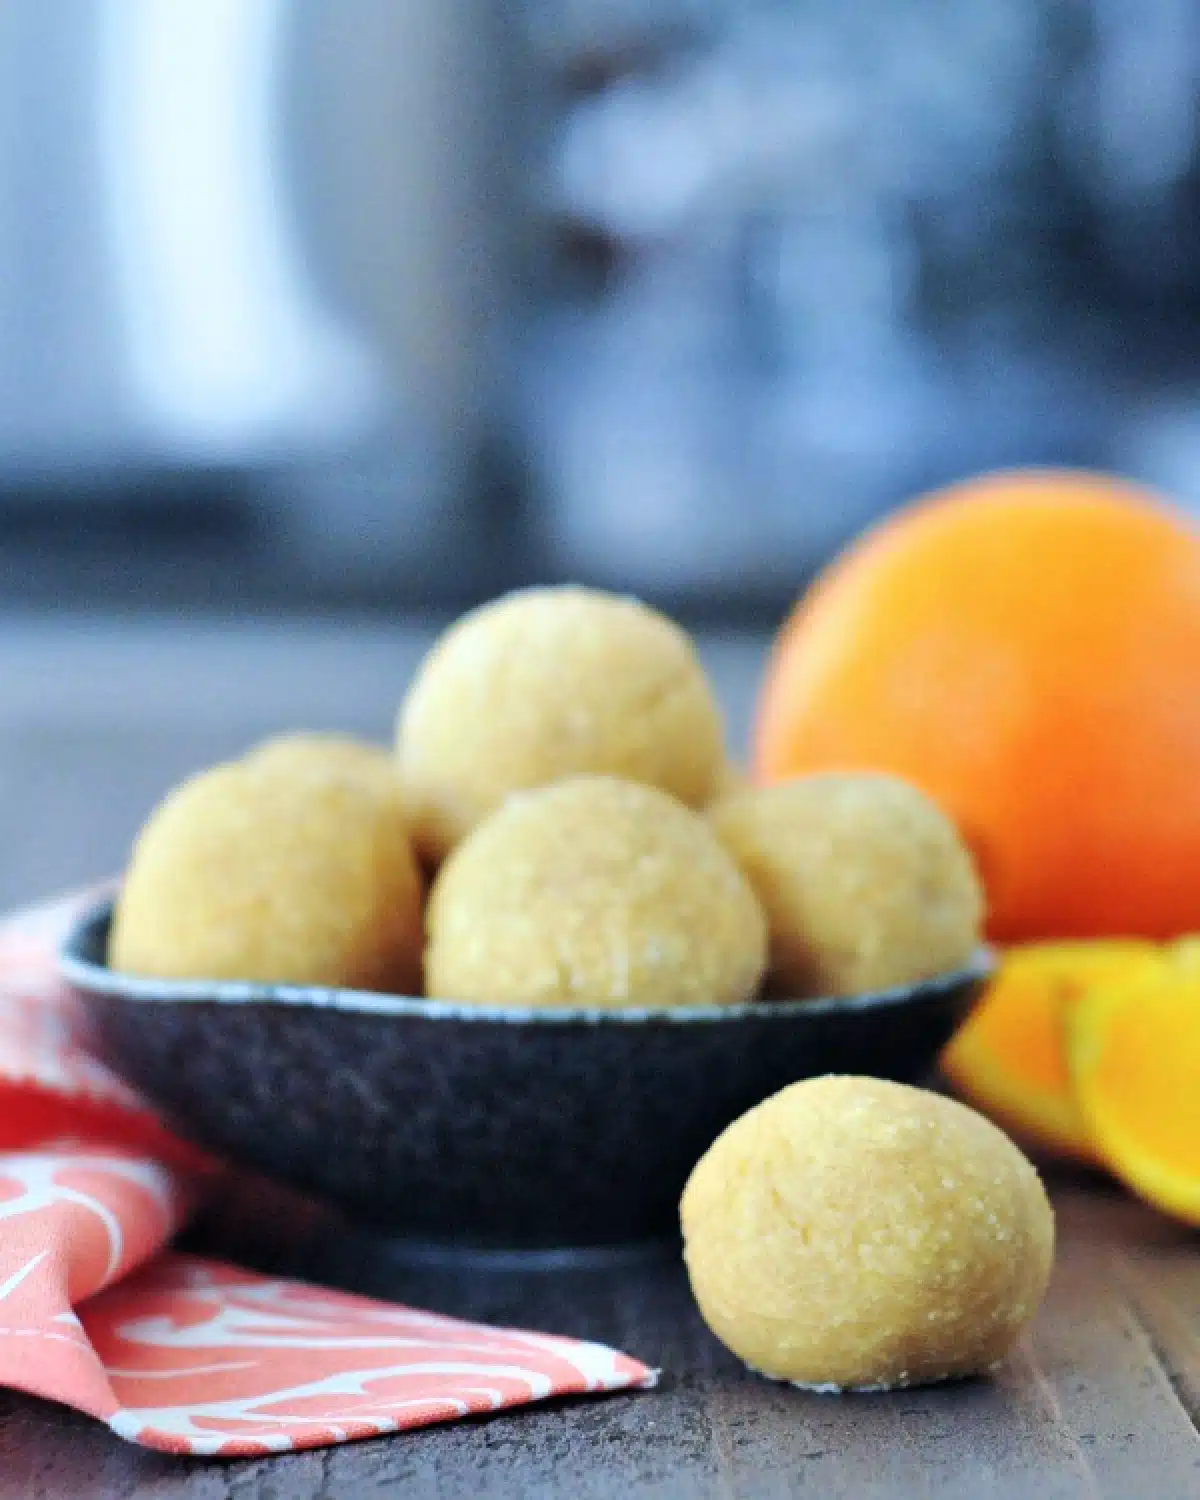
x: 1008, y: 1059
x: 1134, y: 1055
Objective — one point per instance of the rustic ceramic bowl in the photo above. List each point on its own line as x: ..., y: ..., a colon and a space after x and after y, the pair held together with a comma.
x: 477, y: 1127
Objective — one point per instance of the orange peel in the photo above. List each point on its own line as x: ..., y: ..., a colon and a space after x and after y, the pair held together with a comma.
x: 1009, y: 1059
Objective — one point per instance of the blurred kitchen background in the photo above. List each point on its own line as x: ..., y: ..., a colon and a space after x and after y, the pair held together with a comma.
x: 345, y: 307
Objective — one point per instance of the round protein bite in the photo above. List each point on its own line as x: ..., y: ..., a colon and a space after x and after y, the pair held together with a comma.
x: 269, y: 870
x: 854, y: 1234
x: 865, y: 881
x: 546, y: 683
x: 731, y: 780
x: 593, y: 892
x: 323, y: 752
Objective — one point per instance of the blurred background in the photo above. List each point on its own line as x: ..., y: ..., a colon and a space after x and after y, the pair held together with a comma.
x: 383, y: 306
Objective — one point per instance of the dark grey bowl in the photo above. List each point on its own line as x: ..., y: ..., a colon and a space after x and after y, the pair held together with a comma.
x: 477, y: 1127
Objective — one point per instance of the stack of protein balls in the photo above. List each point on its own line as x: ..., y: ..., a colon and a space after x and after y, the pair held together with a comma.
x: 560, y: 789
x: 561, y: 792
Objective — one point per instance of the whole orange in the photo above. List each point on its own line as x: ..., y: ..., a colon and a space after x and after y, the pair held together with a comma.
x: 1024, y: 647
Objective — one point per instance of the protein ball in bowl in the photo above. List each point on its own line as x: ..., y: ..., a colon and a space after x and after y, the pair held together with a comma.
x: 272, y: 871
x: 546, y: 683
x: 865, y: 881
x: 593, y: 892
x: 732, y: 780
x: 852, y: 1234
x: 323, y: 753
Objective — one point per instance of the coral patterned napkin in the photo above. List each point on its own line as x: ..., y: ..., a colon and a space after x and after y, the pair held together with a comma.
x: 189, y: 1355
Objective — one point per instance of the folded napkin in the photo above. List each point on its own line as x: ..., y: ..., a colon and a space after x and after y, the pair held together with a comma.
x: 183, y: 1354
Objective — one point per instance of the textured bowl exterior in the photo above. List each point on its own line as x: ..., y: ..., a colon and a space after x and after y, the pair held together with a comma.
x: 483, y: 1128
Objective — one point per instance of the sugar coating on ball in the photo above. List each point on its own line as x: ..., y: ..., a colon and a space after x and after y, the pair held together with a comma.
x: 546, y: 683
x: 324, y: 752
x: 593, y: 892
x: 850, y: 1233
x: 732, y: 779
x: 270, y: 870
x: 865, y: 881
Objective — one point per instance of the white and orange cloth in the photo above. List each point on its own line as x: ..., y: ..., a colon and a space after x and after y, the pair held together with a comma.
x: 179, y: 1353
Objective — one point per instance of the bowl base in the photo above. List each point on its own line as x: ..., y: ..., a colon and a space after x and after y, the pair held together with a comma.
x: 315, y: 1240
x: 424, y: 1255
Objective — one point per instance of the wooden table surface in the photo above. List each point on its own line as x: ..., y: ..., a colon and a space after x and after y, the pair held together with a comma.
x: 1100, y: 1401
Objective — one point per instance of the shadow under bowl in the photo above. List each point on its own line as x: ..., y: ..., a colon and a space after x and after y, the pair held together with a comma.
x: 484, y: 1128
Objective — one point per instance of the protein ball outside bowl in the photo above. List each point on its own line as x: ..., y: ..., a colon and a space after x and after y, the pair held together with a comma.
x: 593, y: 892
x: 865, y: 881
x: 546, y: 683
x: 274, y: 872
x: 850, y: 1233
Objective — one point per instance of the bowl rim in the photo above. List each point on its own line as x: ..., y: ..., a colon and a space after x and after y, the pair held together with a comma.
x: 98, y: 979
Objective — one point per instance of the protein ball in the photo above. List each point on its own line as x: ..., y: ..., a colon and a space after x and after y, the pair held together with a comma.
x: 865, y: 881
x: 323, y: 753
x: 731, y: 780
x: 273, y: 872
x: 547, y: 683
x: 850, y: 1233
x: 593, y: 892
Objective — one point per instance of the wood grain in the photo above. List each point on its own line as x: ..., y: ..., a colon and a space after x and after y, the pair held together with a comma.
x: 1088, y: 1407
x: 1099, y: 1402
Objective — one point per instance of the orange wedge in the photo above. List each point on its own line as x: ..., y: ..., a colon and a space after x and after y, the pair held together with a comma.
x: 1008, y: 1059
x: 1134, y: 1056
